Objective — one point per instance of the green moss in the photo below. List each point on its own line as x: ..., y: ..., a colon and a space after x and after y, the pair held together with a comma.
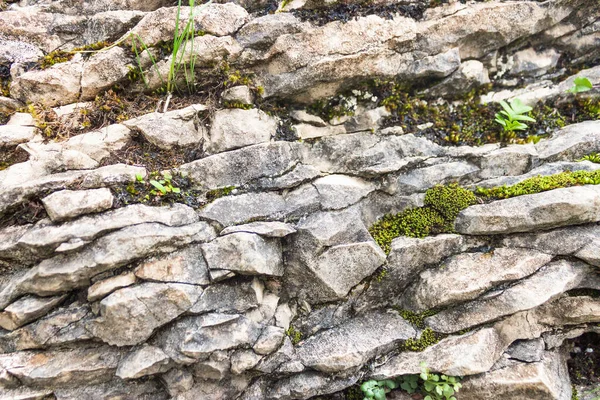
x: 237, y: 104
x: 381, y: 274
x: 61, y: 56
x: 294, y: 335
x: 542, y: 183
x: 593, y: 157
x: 417, y: 319
x: 329, y: 109
x: 574, y: 394
x: 442, y: 205
x: 218, y: 193
x: 415, y: 222
x: 428, y: 338
x: 450, y: 200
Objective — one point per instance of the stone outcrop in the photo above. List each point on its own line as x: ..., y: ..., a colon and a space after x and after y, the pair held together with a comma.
x: 258, y: 278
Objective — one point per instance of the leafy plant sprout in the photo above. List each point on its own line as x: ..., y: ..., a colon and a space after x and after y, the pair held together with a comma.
x: 513, y: 114
x: 581, y: 84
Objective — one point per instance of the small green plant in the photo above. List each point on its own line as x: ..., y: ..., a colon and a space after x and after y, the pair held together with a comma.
x: 377, y: 390
x: 593, y: 157
x: 431, y: 386
x: 294, y: 335
x: 161, y: 186
x: 512, y: 114
x: 581, y: 84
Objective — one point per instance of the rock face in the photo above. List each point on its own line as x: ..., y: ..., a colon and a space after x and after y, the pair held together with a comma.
x: 259, y: 279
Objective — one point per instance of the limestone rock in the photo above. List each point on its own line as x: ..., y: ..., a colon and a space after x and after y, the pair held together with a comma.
x: 528, y: 350
x: 269, y: 340
x: 171, y: 129
x: 545, y: 210
x: 243, y: 360
x: 419, y: 180
x: 468, y: 354
x: 186, y: 265
x: 268, y: 229
x: 547, y: 379
x: 103, y: 70
x: 145, y: 307
x: 65, y: 272
x: 263, y: 31
x: 529, y: 62
x: 298, y: 175
x: 308, y: 131
x: 233, y: 210
x: 571, y: 142
x: 239, y: 167
x: 245, y: 253
x: 12, y: 135
x: 235, y: 128
x: 104, y: 287
x: 56, y: 368
x: 148, y: 360
x: 353, y: 343
x: 238, y: 94
x: 306, y: 118
x: 116, y: 388
x: 470, y: 75
x: 229, y: 297
x: 340, y: 191
x: 549, y: 282
x: 69, y: 204
x: 508, y: 161
x: 466, y: 276
x: 27, y: 309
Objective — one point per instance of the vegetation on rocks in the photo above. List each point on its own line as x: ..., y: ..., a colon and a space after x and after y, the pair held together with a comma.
x: 61, y: 56
x: 442, y: 205
x: 428, y: 337
x: 541, y: 184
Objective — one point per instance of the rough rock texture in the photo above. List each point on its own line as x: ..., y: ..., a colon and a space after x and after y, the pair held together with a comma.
x: 267, y: 284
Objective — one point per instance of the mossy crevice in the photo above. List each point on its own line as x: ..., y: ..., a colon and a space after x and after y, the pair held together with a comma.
x: 442, y: 205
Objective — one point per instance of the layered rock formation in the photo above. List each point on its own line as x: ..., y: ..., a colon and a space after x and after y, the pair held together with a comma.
x: 262, y: 280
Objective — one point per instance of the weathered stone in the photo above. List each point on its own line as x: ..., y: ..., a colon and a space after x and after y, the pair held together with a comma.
x: 173, y: 128
x: 529, y: 62
x: 466, y: 276
x: 233, y: 210
x: 194, y: 338
x: 368, y: 154
x: 178, y: 381
x: 117, y: 389
x: 59, y: 84
x: 547, y: 379
x: 308, y: 131
x: 340, y: 191
x: 65, y: 272
x: 245, y: 253
x: 263, y: 31
x: 235, y: 128
x: 468, y: 354
x: 186, y: 265
x: 407, y: 258
x: 27, y: 309
x: 148, y: 360
x: 419, y: 180
x: 470, y: 75
x: 145, y: 307
x: 507, y: 161
x: 63, y: 326
x: 68, y: 204
x: 239, y: 167
x: 215, y: 368
x: 104, y: 287
x: 55, y: 368
x: 549, y: 282
x: 571, y: 142
x: 268, y: 229
x: 527, y: 350
x: 243, y: 360
x: 238, y: 94
x: 12, y: 135
x: 269, y: 340
x: 229, y: 297
x: 355, y: 342
x: 42, y: 239
x: 12, y: 195
x: 366, y: 120
x: 551, y: 209
x: 103, y: 70
x: 298, y: 175
x: 305, y: 118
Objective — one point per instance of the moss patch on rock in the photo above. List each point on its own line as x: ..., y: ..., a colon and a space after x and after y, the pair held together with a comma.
x: 428, y: 338
x: 442, y: 205
x: 541, y: 184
